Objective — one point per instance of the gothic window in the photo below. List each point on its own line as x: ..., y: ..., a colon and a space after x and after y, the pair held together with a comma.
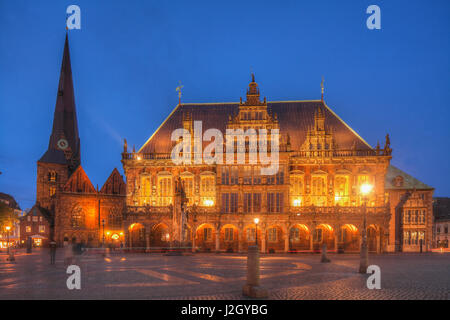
x: 257, y: 202
x: 341, y: 188
x: 207, y: 190
x: 234, y: 177
x: 247, y: 202
x: 229, y: 202
x: 52, y: 191
x: 114, y: 219
x: 165, y: 190
x: 145, y: 190
x: 77, y: 217
x: 225, y: 175
x: 275, y: 202
x: 406, y: 237
x: 318, y: 235
x: 318, y: 190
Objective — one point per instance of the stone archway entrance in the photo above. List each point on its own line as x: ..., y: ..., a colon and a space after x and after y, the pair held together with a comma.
x: 350, y: 239
x: 299, y: 238
x: 137, y: 233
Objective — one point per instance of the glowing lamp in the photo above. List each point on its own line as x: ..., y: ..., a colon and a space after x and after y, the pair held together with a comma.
x: 366, y: 188
x: 115, y: 236
x: 297, y: 202
x: 208, y: 202
x: 256, y: 220
x: 8, y: 228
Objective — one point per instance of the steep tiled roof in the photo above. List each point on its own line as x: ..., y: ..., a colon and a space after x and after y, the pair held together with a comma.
x: 114, y: 184
x: 295, y: 117
x: 409, y: 182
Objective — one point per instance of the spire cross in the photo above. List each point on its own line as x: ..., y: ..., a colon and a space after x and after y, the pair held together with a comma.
x: 178, y: 89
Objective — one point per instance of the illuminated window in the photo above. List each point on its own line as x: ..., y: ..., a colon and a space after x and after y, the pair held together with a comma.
x: 52, y: 176
x: 27, y: 229
x: 41, y: 229
x: 341, y: 190
x: 256, y: 175
x: 207, y: 189
x: 165, y: 190
x: 247, y: 175
x: 35, y: 219
x: 52, y: 191
x: 145, y: 190
x: 318, y: 190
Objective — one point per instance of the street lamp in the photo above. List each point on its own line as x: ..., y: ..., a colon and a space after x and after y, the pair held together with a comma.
x: 103, y: 225
x: 364, y: 255
x: 9, y: 252
x: 256, y: 220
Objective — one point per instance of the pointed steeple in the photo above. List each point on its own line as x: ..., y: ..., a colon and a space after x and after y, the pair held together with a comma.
x: 64, y: 139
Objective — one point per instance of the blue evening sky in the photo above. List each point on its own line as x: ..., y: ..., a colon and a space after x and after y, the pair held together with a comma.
x: 130, y: 55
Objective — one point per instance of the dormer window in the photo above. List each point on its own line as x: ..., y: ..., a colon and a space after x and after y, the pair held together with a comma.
x: 398, y: 181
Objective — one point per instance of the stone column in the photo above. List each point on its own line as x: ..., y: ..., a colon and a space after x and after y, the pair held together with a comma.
x: 252, y: 287
x: 130, y: 240
x: 311, y: 236
x: 286, y: 243
x: 336, y: 241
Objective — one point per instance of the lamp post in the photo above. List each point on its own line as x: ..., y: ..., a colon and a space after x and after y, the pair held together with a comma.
x: 364, y: 255
x: 103, y: 225
x: 256, y: 220
x: 10, y: 252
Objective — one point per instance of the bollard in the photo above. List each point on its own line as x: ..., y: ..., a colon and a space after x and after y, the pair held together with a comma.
x: 252, y: 287
x: 324, y: 254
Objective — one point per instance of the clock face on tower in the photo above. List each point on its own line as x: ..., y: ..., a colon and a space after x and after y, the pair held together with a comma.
x: 62, y: 144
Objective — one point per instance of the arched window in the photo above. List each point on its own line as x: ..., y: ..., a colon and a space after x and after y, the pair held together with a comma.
x: 77, y: 217
x: 114, y: 219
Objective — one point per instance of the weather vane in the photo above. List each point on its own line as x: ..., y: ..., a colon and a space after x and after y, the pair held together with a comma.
x: 321, y: 85
x: 178, y: 89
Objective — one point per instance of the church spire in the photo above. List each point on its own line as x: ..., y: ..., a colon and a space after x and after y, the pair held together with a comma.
x: 64, y: 138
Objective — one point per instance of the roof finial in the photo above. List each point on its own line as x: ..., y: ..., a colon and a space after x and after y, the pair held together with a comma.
x: 178, y: 89
x: 321, y: 85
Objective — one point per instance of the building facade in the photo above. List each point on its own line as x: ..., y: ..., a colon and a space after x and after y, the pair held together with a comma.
x: 313, y: 198
x: 441, y: 209
x: 203, y: 177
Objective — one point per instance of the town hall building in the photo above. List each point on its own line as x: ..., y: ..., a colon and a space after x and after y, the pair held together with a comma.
x: 313, y: 198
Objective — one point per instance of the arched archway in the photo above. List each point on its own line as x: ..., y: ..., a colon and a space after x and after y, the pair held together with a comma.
x: 323, y: 233
x: 299, y: 238
x: 136, y: 233
x: 205, y: 237
x: 350, y: 238
x: 229, y: 236
x: 160, y: 236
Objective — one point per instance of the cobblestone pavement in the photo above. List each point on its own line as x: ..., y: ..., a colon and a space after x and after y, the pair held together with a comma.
x: 221, y: 276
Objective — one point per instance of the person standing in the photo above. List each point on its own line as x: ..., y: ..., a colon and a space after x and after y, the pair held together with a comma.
x: 52, y: 252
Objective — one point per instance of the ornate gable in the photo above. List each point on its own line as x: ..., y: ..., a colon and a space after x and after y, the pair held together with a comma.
x: 114, y: 184
x: 79, y: 182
